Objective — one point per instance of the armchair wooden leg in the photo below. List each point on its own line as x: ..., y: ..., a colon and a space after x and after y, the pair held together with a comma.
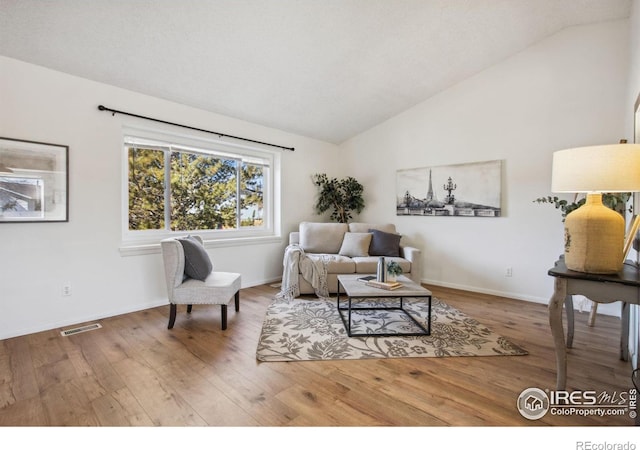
x: 224, y: 316
x: 189, y: 307
x: 172, y: 315
x: 237, y: 301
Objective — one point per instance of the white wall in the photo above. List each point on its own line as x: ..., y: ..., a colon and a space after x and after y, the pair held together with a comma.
x: 568, y: 90
x: 36, y: 259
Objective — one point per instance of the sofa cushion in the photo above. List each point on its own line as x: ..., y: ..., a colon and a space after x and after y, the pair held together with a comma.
x: 384, y: 244
x: 337, y: 263
x: 316, y: 237
x: 359, y: 227
x: 197, y: 264
x: 355, y: 244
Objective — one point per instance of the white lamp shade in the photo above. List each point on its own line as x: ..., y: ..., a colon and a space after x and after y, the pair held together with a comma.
x: 600, y: 168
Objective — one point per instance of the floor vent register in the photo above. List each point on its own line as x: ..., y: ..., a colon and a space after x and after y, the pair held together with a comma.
x: 82, y: 329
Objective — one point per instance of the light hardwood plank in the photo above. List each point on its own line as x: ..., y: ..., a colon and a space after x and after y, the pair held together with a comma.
x: 135, y: 372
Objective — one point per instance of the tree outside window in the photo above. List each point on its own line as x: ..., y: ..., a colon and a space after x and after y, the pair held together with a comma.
x: 177, y: 189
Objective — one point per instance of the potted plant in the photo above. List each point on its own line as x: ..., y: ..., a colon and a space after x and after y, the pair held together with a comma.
x: 393, y: 270
x: 343, y: 196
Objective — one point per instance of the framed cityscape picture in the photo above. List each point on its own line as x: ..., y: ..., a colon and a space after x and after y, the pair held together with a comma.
x: 469, y: 190
x: 34, y: 181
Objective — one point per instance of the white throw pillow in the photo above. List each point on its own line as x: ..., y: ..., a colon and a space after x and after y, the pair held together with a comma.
x: 317, y: 237
x: 355, y: 244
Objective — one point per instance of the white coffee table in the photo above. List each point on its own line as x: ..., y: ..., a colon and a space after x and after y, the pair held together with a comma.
x: 357, y: 290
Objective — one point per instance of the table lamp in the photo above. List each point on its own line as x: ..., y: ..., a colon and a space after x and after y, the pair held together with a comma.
x: 594, y: 234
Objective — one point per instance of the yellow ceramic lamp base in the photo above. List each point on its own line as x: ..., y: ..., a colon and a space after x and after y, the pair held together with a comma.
x: 594, y: 238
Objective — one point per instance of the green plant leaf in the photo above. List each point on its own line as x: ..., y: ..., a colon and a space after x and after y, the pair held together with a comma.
x: 617, y: 201
x: 340, y: 196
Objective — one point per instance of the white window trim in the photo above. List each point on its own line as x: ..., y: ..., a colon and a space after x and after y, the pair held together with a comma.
x: 148, y: 241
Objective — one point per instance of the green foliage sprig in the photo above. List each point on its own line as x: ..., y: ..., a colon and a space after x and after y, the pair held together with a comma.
x: 342, y: 196
x: 563, y: 205
x: 617, y: 202
x: 394, y: 268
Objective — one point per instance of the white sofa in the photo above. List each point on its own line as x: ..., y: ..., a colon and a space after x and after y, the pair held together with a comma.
x: 354, y: 248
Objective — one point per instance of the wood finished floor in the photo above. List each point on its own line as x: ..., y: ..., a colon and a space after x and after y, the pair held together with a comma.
x: 135, y: 372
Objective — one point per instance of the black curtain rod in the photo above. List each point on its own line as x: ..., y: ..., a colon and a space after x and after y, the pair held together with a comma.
x: 115, y: 111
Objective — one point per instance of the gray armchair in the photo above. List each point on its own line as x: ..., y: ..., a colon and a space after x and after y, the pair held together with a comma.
x: 215, y: 288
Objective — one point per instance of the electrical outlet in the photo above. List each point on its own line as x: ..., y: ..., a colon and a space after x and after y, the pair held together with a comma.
x: 508, y: 272
x: 66, y: 290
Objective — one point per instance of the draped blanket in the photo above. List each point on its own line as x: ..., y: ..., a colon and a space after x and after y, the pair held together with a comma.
x: 313, y: 270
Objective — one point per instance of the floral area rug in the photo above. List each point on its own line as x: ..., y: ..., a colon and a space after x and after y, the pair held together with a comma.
x: 302, y: 330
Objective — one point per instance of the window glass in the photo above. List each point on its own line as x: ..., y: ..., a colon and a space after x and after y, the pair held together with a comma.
x: 203, y: 192
x: 173, y: 187
x: 146, y: 189
x: 252, y: 195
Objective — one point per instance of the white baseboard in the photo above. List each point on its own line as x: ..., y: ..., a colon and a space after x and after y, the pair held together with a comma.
x: 82, y: 319
x: 610, y: 309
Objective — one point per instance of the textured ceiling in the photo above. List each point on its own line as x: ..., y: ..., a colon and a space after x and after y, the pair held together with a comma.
x: 327, y: 69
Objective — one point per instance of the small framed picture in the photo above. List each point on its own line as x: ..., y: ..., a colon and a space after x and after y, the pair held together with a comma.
x: 34, y: 181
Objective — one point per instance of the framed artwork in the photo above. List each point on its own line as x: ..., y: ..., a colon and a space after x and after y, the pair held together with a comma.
x: 34, y: 181
x: 469, y: 190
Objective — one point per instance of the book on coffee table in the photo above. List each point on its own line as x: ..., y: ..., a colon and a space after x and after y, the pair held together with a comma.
x: 367, y: 278
x: 388, y: 285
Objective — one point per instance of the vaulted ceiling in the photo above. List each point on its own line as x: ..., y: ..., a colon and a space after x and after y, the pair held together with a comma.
x: 327, y: 69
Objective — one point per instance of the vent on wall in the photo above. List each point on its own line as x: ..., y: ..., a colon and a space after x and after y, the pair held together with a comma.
x: 82, y: 329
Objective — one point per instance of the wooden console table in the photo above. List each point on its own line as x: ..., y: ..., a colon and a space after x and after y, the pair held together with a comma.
x: 623, y: 286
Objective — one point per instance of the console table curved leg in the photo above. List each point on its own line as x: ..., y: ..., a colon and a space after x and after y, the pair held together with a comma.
x: 568, y: 308
x: 592, y: 314
x: 624, y: 336
x: 555, y: 321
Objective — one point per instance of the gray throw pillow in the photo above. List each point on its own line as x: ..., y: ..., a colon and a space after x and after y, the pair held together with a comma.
x: 384, y: 244
x: 197, y: 264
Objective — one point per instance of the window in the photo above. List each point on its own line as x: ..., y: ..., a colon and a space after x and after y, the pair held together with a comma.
x: 176, y: 186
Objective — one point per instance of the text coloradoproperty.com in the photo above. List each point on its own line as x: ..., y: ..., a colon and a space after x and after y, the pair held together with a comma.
x: 571, y: 410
